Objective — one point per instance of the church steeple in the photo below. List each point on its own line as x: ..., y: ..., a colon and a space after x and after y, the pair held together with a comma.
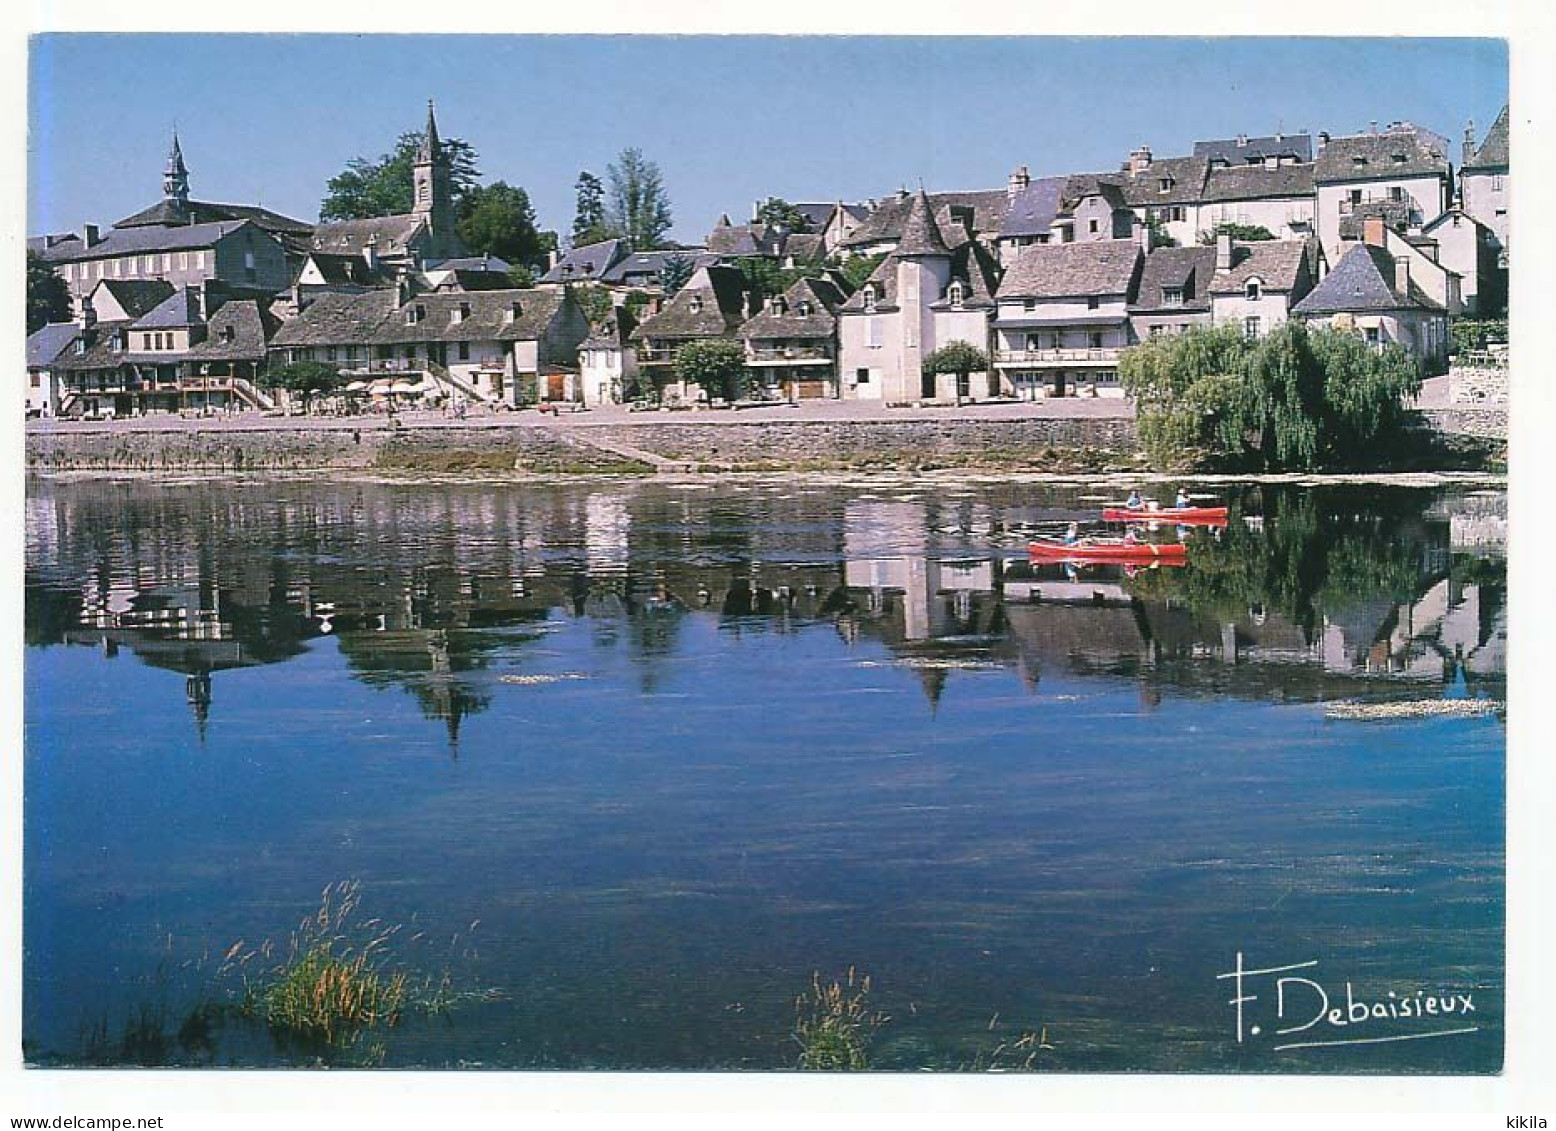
x: 175, y: 176
x: 435, y: 190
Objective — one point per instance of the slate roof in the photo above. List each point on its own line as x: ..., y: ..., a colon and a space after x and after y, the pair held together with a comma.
x: 1032, y: 211
x: 590, y: 261
x: 137, y: 297
x: 722, y: 295
x: 1398, y: 153
x: 1363, y: 280
x: 54, y: 244
x: 100, y: 353
x: 971, y: 264
x: 1186, y: 173
x: 984, y: 211
x: 169, y: 213
x: 1255, y: 182
x: 788, y: 322
x: 643, y: 267
x: 1394, y: 213
x: 47, y: 342
x: 804, y: 247
x: 348, y: 270
x: 351, y: 237
x: 132, y: 241
x: 920, y: 234
x: 1279, y: 265
x: 1189, y: 268
x: 1240, y: 151
x: 612, y: 331
x: 178, y: 311
x: 1095, y: 267
x: 251, y: 325
x: 1494, y: 151
x: 378, y: 318
x: 743, y: 240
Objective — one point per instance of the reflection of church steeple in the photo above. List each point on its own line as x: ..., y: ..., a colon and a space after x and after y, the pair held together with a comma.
x: 932, y: 680
x: 197, y: 689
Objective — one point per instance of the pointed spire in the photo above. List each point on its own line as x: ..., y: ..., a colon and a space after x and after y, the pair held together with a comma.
x: 431, y: 146
x: 175, y: 175
x: 920, y: 234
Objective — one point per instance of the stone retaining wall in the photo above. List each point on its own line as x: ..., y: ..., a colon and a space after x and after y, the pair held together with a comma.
x: 1478, y: 385
x: 1487, y: 423
x: 765, y: 443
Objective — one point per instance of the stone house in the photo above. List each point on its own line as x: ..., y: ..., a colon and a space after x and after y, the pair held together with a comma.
x: 1063, y: 317
x: 960, y: 216
x: 1279, y: 197
x: 791, y: 344
x: 482, y: 346
x: 1173, y: 292
x: 1257, y: 283
x: 1463, y: 245
x: 924, y: 295
x: 713, y: 303
x: 46, y: 347
x: 1404, y: 166
x: 1371, y: 290
x: 607, y: 362
x: 1484, y: 188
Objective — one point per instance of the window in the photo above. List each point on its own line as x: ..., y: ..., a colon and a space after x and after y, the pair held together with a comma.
x: 35, y: 378
x: 956, y: 293
x: 1372, y: 336
x: 1029, y: 305
x: 1177, y: 213
x: 1094, y: 339
x: 1496, y: 182
x: 329, y: 353
x: 248, y: 260
x: 1252, y: 291
x: 1164, y: 184
x: 1156, y: 331
x: 183, y: 260
x: 1358, y: 162
x: 1093, y: 302
x: 145, y: 342
x: 1172, y: 296
x: 861, y: 376
x: 1094, y: 227
x: 464, y: 351
x: 1356, y: 196
x: 1398, y: 158
x: 805, y: 308
x: 462, y: 313
x: 1396, y: 193
x: 872, y: 333
x: 1251, y: 327
x: 869, y: 298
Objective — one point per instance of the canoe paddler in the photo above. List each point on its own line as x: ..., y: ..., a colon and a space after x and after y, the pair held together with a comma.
x: 1182, y: 500
x: 1133, y: 503
x: 1073, y: 534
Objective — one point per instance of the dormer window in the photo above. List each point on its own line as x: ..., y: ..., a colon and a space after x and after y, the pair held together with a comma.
x: 1358, y: 162
x: 956, y: 294
x: 229, y: 334
x: 869, y: 298
x: 1172, y: 296
x: 805, y: 307
x: 462, y: 312
x: 1164, y: 184
x: 695, y: 304
x: 514, y: 311
x: 415, y: 314
x: 1253, y: 291
x: 80, y: 346
x: 118, y: 341
x: 1398, y: 159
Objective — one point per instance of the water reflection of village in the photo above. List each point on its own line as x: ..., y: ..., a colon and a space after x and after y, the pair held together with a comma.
x: 431, y: 590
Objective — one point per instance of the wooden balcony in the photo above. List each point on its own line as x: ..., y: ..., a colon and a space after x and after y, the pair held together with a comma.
x: 1057, y: 358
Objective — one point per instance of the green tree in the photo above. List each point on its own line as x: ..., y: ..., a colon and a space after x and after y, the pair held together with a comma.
x: 960, y: 358
x: 716, y: 364
x: 1471, y: 334
x: 674, y: 272
x: 498, y: 219
x: 781, y: 214
x: 307, y: 379
x: 589, y: 224
x: 857, y: 268
x: 386, y: 187
x: 1160, y: 236
x: 48, y: 298
x: 637, y: 205
x: 521, y: 276
x: 1236, y: 231
x: 593, y: 300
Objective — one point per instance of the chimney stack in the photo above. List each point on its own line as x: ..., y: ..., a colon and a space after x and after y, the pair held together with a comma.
x: 1145, y: 236
x: 1020, y: 180
x: 1402, y: 276
x: 1469, y: 142
x: 1242, y: 140
x: 1323, y: 139
x: 1372, y: 127
x: 553, y: 257
x: 89, y: 236
x: 370, y: 253
x: 1140, y: 160
x: 88, y: 317
x: 1223, y: 252
x: 1374, y: 232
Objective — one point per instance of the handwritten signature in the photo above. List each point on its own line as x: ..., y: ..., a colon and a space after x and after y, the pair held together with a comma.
x: 1302, y: 1004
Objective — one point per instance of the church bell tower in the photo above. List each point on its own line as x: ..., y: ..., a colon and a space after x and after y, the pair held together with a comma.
x: 435, y: 190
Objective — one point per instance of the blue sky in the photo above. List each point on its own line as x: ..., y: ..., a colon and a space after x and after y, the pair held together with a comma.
x: 269, y: 118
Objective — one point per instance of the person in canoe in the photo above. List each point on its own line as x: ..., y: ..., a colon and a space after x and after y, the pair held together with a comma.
x: 1134, y: 502
x: 1072, y: 534
x: 1182, y: 500
x: 1131, y: 538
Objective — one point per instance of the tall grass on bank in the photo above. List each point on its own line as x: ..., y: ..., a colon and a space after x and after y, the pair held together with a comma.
x: 336, y: 981
x: 834, y: 1024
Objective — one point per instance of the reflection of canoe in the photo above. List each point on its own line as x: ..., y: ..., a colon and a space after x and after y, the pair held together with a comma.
x: 1120, y: 551
x: 1183, y: 516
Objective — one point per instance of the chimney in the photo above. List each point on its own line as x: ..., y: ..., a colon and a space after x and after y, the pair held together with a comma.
x: 1374, y: 232
x: 1140, y: 160
x: 553, y: 257
x: 1402, y: 276
x: 1223, y: 252
x: 1372, y: 127
x: 756, y: 211
x: 1145, y: 235
x: 1323, y: 139
x: 1242, y: 140
x: 1020, y: 180
x: 370, y: 253
x: 89, y: 236
x: 88, y: 317
x: 402, y: 289
x: 1469, y: 142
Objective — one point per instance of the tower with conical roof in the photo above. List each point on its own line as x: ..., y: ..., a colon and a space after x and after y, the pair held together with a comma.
x: 435, y: 190
x: 923, y: 273
x: 175, y: 175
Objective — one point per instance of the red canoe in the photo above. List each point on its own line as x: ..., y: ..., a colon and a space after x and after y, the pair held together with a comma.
x: 1135, y: 552
x: 1181, y: 516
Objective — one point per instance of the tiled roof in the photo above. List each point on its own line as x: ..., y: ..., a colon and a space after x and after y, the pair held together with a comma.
x: 1189, y: 269
x: 378, y: 318
x: 1493, y: 151
x: 351, y: 237
x: 1366, y: 157
x: 1394, y: 213
x: 971, y: 265
x: 349, y: 270
x: 920, y: 234
x: 169, y: 213
x: 1097, y: 267
x: 1255, y: 182
x: 100, y: 353
x: 48, y: 342
x: 712, y: 304
x: 250, y: 325
x: 1279, y: 265
x: 612, y: 331
x: 1032, y: 211
x: 744, y: 240
x: 643, y: 267
x: 983, y: 211
x: 53, y: 245
x: 179, y: 310
x: 136, y: 297
x: 1363, y: 280
x: 784, y: 320
x: 803, y: 247
x: 470, y: 263
x: 338, y: 319
x: 1186, y: 177
x: 590, y: 261
x: 1240, y: 151
x: 132, y: 241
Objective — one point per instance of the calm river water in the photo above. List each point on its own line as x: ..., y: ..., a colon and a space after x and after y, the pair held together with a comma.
x: 630, y: 762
